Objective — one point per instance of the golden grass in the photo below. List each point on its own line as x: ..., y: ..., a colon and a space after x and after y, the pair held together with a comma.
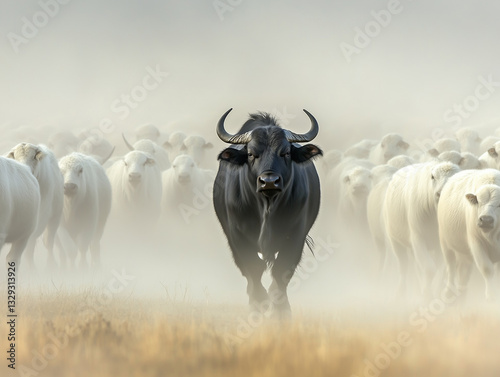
x: 140, y: 337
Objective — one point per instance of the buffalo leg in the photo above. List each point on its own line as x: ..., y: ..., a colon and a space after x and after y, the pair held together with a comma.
x: 252, y: 268
x: 283, y: 269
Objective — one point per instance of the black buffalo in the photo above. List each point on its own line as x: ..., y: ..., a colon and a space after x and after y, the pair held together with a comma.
x: 267, y: 196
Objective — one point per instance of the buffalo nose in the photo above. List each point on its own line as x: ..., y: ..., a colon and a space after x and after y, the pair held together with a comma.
x: 269, y: 181
x: 134, y: 176
x: 69, y: 188
x: 485, y: 221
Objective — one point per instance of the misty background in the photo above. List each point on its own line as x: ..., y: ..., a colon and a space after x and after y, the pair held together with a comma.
x: 276, y: 56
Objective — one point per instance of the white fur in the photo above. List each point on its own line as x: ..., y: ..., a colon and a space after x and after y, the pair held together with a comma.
x: 469, y: 140
x: 159, y: 154
x: 136, y: 184
x: 19, y: 207
x: 187, y: 189
x: 463, y: 241
x: 196, y: 147
x: 409, y: 213
x: 86, y: 211
x: 391, y: 145
x: 44, y: 167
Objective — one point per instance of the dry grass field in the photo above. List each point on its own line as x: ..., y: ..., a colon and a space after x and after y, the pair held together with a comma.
x: 65, y: 334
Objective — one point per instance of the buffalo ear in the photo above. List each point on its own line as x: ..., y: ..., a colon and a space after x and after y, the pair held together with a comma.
x: 10, y: 155
x: 39, y: 155
x: 471, y: 198
x: 305, y: 152
x: 234, y: 156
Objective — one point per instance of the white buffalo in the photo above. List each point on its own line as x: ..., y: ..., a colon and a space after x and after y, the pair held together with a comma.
x: 97, y: 147
x: 87, y: 203
x: 147, y: 146
x: 410, y: 219
x: 361, y: 149
x: 469, y: 140
x: 147, y: 131
x: 19, y: 207
x: 136, y: 185
x: 469, y: 227
x: 175, y: 144
x: 44, y: 167
x: 355, y: 187
x: 490, y: 158
x: 391, y: 145
x: 62, y: 143
x: 187, y: 189
x: 196, y: 147
x: 381, y: 176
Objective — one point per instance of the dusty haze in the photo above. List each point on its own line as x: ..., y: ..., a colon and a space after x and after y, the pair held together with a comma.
x: 275, y: 56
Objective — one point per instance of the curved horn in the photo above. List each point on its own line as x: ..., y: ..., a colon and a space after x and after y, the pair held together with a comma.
x: 308, y: 136
x: 126, y: 142
x: 109, y: 155
x: 227, y: 137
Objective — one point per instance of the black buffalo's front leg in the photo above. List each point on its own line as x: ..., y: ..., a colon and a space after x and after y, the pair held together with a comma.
x: 252, y: 268
x: 282, y: 271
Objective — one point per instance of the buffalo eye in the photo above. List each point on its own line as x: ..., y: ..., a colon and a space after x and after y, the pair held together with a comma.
x: 125, y: 163
x: 432, y: 177
x: 251, y: 155
x: 285, y: 155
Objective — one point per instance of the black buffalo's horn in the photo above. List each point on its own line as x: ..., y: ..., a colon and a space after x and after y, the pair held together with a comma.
x: 244, y: 138
x: 227, y: 137
x: 126, y: 142
x: 292, y: 137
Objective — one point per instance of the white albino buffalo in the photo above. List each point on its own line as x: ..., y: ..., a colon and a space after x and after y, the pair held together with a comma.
x: 175, y: 144
x: 62, y: 143
x: 355, y: 187
x: 361, y: 149
x: 19, y: 207
x: 147, y: 131
x: 335, y: 182
x: 381, y: 176
x: 44, y: 167
x: 469, y: 140
x: 391, y: 145
x: 447, y: 144
x: 469, y: 227
x: 409, y: 213
x: 136, y: 184
x: 187, y: 189
x: 490, y: 158
x: 159, y: 154
x: 487, y: 143
x: 196, y: 147
x: 97, y: 147
x: 87, y: 203
x: 400, y: 161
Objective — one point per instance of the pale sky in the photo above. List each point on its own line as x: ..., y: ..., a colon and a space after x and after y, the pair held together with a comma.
x: 278, y: 56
